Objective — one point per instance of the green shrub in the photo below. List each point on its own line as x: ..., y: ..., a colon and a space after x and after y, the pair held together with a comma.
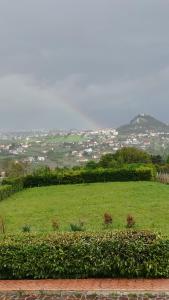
x: 84, y: 255
x: 89, y: 176
x: 26, y: 228
x: 77, y: 226
x: 16, y: 183
x: 6, y: 191
x: 10, y: 186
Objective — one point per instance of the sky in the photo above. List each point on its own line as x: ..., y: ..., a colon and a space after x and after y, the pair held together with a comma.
x: 82, y: 63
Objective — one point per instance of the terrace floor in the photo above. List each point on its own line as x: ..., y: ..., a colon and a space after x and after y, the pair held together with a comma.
x: 138, y: 285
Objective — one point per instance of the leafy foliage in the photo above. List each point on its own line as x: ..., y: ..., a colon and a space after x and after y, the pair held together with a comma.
x: 87, y: 176
x: 26, y: 228
x: 85, y: 255
x: 7, y: 190
x: 15, y: 168
x: 130, y: 155
x: 77, y: 226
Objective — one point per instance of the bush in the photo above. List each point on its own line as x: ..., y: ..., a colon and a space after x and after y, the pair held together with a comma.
x: 77, y: 226
x: 89, y: 176
x: 108, y: 218
x: 16, y: 183
x: 130, y: 221
x: 84, y: 255
x: 2, y: 225
x: 6, y: 191
x: 26, y: 228
x: 10, y: 186
x: 55, y: 224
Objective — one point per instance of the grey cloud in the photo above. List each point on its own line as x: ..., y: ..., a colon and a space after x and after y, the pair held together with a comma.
x: 109, y: 59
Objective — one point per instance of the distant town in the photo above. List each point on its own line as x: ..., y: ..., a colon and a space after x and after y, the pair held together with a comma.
x: 57, y: 148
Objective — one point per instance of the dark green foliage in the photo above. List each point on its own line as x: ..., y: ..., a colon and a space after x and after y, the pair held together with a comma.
x: 108, y: 161
x: 17, y: 183
x: 41, y: 171
x: 77, y: 226
x: 89, y: 176
x: 84, y: 255
x: 26, y: 228
x: 91, y: 164
x: 128, y: 155
x: 157, y: 159
x: 10, y: 186
x: 7, y: 190
x: 167, y: 160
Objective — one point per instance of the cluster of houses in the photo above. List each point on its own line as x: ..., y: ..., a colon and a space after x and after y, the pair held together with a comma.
x: 75, y: 147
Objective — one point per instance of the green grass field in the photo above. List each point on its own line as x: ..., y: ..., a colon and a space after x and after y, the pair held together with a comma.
x: 69, y: 139
x: 148, y: 202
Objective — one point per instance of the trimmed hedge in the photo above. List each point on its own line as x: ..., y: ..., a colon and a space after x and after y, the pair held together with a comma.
x: 88, y: 176
x: 85, y: 255
x: 17, y: 182
x: 9, y: 189
x: 5, y: 191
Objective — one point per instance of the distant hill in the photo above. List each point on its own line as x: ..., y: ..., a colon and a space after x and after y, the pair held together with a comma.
x: 143, y: 123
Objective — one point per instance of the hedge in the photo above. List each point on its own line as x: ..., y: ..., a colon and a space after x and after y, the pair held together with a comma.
x: 9, y: 189
x: 84, y: 255
x: 88, y: 176
x: 17, y: 183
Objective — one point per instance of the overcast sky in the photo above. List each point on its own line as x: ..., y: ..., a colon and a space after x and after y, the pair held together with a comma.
x: 82, y: 63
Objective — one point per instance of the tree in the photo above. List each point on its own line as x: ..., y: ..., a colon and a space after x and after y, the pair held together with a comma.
x: 16, y: 168
x: 128, y: 155
x: 108, y: 161
x: 91, y: 164
x: 42, y: 171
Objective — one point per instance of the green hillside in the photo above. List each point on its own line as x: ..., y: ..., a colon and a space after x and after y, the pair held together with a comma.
x: 148, y: 202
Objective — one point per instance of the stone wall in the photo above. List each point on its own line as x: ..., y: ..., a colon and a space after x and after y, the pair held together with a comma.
x: 104, y: 295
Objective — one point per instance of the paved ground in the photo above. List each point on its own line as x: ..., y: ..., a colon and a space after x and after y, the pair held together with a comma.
x: 159, y: 285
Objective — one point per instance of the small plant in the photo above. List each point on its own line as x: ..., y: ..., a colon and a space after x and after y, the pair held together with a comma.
x: 108, y: 218
x: 55, y: 225
x: 77, y: 226
x: 2, y: 225
x: 130, y: 221
x: 26, y: 228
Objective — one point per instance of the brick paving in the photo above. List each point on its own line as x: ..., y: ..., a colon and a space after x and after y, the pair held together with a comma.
x: 84, y: 289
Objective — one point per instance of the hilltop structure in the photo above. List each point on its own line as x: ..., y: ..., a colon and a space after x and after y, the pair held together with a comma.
x: 143, y: 123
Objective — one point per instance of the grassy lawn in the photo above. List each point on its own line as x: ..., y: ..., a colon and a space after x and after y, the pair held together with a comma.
x: 69, y: 139
x: 148, y: 202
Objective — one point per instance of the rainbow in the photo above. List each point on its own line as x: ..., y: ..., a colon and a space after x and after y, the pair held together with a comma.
x: 81, y: 115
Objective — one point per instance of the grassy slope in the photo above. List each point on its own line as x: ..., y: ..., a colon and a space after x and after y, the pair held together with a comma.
x: 148, y: 202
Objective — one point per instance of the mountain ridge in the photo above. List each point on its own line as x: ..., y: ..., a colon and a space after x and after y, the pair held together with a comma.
x: 143, y: 123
